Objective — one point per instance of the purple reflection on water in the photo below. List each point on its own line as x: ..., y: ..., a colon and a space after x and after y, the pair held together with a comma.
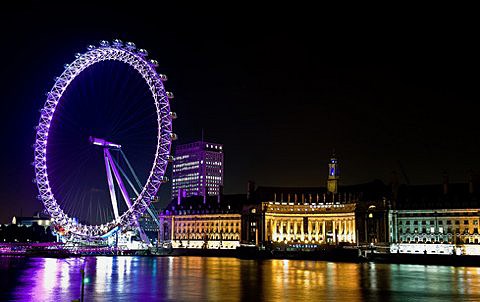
x: 50, y: 279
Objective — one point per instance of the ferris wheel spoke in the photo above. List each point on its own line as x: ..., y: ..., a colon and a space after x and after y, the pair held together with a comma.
x: 131, y: 121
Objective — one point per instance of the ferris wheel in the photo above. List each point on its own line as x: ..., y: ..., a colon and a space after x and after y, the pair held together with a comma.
x: 51, y: 116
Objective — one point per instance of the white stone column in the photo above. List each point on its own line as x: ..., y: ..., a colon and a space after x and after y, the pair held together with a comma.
x: 302, y: 232
x: 274, y: 228
x: 289, y: 233
x: 350, y: 230
x: 354, y: 231
x: 324, y: 232
x: 340, y: 230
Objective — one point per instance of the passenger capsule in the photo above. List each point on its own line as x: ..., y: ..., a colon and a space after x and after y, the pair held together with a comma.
x: 117, y: 43
x: 104, y: 43
x: 163, y: 77
x: 143, y: 52
x: 131, y: 46
x: 170, y: 95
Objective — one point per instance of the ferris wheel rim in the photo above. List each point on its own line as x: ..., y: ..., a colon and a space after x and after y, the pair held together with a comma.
x: 146, y: 68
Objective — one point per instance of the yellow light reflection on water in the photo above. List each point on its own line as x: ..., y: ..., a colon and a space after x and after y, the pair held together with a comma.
x: 296, y: 279
x: 232, y: 279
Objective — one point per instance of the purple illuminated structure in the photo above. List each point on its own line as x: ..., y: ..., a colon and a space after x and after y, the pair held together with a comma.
x: 112, y: 167
x: 197, y: 170
x: 103, y: 143
x: 127, y: 54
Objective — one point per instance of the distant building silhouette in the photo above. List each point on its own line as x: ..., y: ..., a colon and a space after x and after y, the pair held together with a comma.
x: 37, y: 219
x: 36, y: 228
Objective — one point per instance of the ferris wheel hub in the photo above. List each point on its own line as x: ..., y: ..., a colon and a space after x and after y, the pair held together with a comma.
x: 104, y: 143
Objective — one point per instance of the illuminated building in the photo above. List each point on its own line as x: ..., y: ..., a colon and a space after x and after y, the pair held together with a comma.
x: 32, y: 220
x: 319, y: 215
x: 436, y: 219
x: 306, y: 223
x: 194, y: 224
x: 197, y: 170
x: 436, y: 226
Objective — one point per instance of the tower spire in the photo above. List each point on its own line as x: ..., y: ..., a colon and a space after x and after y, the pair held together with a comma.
x: 333, y: 175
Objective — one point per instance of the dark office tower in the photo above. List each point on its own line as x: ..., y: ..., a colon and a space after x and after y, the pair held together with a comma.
x: 197, y: 170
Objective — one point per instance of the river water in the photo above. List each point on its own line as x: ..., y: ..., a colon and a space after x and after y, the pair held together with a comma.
x: 229, y: 279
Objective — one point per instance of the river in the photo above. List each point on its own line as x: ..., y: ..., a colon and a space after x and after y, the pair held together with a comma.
x: 143, y: 279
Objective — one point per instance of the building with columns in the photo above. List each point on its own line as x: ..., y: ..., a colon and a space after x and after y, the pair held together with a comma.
x: 335, y: 214
x: 327, y: 224
x: 281, y: 216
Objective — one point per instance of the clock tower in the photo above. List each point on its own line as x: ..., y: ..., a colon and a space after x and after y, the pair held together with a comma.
x: 333, y: 175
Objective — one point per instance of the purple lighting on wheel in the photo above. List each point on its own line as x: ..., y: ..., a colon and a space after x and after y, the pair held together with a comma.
x: 137, y: 59
x: 103, y: 143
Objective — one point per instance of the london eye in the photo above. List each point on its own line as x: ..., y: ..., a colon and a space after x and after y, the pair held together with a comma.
x: 103, y: 141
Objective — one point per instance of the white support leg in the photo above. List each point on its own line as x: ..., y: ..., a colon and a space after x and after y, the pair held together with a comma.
x: 111, y: 187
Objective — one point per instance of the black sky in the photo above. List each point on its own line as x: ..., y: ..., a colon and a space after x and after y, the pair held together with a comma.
x: 279, y: 87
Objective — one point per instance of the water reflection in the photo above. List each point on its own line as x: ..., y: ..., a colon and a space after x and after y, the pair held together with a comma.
x: 230, y: 279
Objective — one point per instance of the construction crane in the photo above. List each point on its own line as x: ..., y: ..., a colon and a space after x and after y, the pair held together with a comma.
x: 407, y: 181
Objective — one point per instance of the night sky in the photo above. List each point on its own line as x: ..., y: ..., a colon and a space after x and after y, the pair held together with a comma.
x: 279, y: 87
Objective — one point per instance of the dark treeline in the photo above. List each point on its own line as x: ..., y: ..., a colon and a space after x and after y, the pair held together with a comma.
x: 34, y: 233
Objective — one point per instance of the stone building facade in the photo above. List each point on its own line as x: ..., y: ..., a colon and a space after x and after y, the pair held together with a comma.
x: 191, y: 223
